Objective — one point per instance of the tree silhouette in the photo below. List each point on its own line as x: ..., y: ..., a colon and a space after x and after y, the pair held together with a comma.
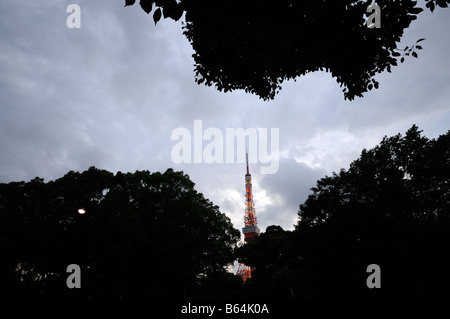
x: 403, y: 177
x: 256, y: 45
x: 390, y: 208
x: 143, y: 235
x: 272, y: 255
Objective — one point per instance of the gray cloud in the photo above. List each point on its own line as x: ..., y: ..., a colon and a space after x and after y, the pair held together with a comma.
x: 110, y: 94
x: 289, y: 188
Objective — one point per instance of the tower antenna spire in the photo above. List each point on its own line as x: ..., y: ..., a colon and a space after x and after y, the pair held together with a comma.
x: 246, y: 157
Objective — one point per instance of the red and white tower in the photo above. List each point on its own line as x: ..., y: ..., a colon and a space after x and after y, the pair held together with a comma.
x: 250, y: 229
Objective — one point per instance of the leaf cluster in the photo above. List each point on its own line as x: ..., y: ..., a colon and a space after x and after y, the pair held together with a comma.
x: 256, y: 45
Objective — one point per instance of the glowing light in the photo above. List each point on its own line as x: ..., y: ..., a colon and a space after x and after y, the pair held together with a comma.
x: 81, y: 211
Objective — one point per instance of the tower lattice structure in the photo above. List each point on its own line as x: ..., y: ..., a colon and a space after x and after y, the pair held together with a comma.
x: 250, y: 229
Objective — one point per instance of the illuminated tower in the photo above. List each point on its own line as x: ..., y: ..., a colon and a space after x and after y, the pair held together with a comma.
x: 251, y: 224
x: 250, y: 229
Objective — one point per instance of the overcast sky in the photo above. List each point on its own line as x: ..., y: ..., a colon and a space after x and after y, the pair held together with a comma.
x: 110, y: 94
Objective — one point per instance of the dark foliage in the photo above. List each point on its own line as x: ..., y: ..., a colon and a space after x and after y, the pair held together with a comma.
x: 390, y: 208
x: 153, y: 236
x: 256, y: 45
x: 143, y: 236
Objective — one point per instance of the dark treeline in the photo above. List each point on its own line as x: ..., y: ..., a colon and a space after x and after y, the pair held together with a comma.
x: 152, y: 235
x: 390, y: 208
x: 143, y: 236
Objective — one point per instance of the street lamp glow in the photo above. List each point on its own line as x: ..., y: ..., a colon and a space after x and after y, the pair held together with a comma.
x: 81, y: 211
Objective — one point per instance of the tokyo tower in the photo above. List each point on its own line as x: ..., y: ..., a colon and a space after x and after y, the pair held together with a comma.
x: 250, y: 229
